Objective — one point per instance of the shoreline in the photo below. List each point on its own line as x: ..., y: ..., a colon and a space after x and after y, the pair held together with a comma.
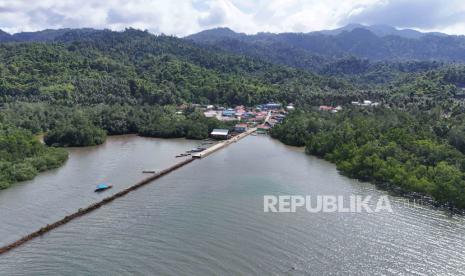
x: 83, y: 211
x: 417, y: 198
x: 40, y: 138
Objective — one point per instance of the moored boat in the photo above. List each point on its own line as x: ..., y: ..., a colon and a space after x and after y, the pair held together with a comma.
x: 102, y: 187
x: 199, y: 149
x: 149, y: 171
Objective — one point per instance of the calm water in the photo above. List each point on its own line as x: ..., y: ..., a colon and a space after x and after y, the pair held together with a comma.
x: 120, y: 161
x: 207, y: 219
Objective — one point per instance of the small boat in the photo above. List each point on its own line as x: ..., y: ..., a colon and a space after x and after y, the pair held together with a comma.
x: 148, y: 171
x: 206, y: 143
x: 102, y: 187
x: 197, y: 150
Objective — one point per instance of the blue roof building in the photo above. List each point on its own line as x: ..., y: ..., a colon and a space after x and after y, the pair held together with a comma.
x: 229, y: 113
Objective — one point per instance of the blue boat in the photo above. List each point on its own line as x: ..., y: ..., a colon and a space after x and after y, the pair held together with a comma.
x: 102, y: 187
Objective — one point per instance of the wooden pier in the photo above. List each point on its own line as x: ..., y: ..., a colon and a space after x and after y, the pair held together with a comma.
x: 155, y: 175
x: 223, y: 144
x: 92, y: 207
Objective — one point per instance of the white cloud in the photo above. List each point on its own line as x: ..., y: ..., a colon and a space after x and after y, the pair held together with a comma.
x: 182, y: 17
x: 422, y: 14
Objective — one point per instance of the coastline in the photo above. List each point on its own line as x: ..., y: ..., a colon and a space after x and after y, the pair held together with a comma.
x: 414, y: 197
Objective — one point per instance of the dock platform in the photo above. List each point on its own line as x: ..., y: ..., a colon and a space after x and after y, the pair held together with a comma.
x: 223, y: 144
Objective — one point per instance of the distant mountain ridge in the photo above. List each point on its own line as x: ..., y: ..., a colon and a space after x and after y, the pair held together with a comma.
x: 303, y: 50
x: 381, y: 30
x: 41, y: 36
x: 222, y: 33
x: 217, y: 33
x: 311, y: 51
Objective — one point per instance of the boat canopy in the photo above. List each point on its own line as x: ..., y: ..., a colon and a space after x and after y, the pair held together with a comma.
x: 102, y: 186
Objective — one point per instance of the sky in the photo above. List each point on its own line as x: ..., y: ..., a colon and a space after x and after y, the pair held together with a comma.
x: 183, y: 17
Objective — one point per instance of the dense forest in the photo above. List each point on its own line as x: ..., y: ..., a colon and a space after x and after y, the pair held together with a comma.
x: 78, y: 86
x: 22, y: 156
x: 308, y: 50
x: 89, y: 125
x: 137, y: 67
x: 404, y: 151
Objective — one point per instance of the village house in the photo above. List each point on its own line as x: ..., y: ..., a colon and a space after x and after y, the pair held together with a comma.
x: 210, y: 114
x: 262, y: 129
x: 290, y: 107
x: 218, y: 133
x: 330, y: 108
x: 326, y: 108
x: 271, y: 106
x: 239, y: 111
x: 241, y: 128
x: 248, y: 115
x: 229, y: 112
x: 365, y: 103
x: 278, y: 117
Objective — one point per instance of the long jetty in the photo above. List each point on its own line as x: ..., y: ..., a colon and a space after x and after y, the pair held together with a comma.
x: 223, y: 144
x: 83, y: 211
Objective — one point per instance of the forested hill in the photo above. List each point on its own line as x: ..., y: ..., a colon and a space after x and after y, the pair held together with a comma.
x: 307, y: 50
x: 77, y: 86
x: 91, y: 67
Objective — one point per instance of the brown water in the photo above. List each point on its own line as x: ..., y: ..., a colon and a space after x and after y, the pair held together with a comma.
x: 207, y: 219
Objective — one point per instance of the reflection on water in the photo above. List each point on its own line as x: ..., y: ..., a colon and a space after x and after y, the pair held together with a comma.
x: 207, y: 219
x: 27, y: 206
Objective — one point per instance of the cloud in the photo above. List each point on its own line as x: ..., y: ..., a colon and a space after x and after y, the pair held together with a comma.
x: 172, y: 17
x: 183, y: 17
x: 215, y: 17
x: 48, y: 16
x: 421, y: 14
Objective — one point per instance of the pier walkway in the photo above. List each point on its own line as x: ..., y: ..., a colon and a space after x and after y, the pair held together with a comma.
x: 97, y: 205
x: 223, y: 144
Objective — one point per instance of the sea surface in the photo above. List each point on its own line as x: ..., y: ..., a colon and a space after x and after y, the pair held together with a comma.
x: 208, y: 218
